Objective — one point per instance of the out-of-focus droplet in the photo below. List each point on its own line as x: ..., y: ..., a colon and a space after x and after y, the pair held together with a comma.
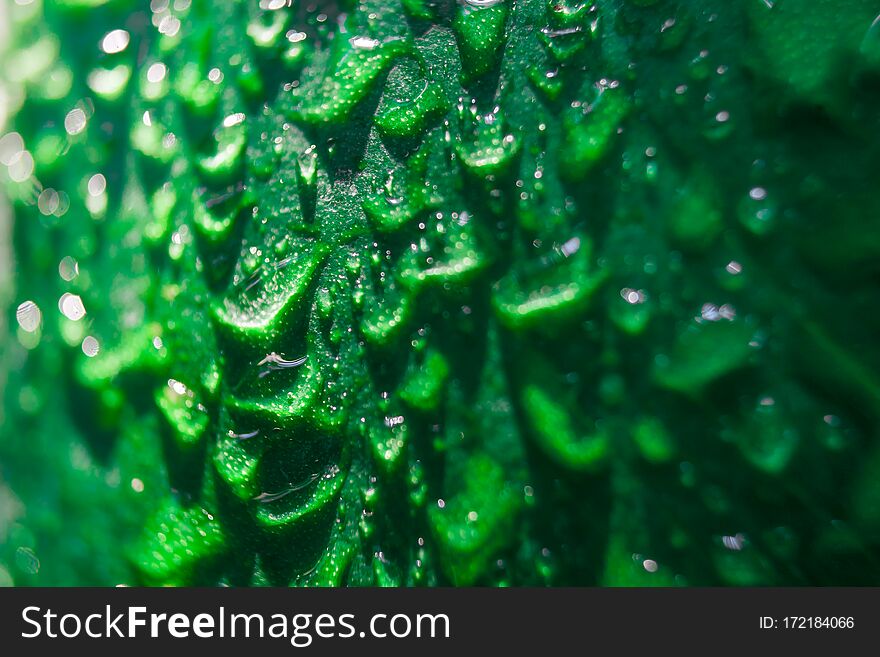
x: 27, y: 561
x: 68, y: 268
x: 758, y: 212
x: 97, y: 184
x: 11, y: 146
x: 233, y: 119
x: 75, y: 121
x: 157, y: 72
x: 48, y: 201
x: 632, y: 296
x: 28, y: 316
x: 364, y: 43
x: 90, y: 346
x: 169, y: 26
x: 115, y: 41
x: 71, y: 306
x: 21, y: 167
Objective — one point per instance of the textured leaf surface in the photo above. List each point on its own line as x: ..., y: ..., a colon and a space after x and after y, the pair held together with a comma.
x: 426, y: 292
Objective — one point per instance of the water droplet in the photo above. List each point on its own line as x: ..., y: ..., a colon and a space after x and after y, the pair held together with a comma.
x: 48, y: 201
x: 157, y: 72
x: 735, y: 542
x: 26, y: 561
x: 71, y: 306
x: 11, y: 146
x: 632, y: 296
x: 75, y: 121
x: 115, y: 41
x: 233, y: 119
x: 274, y: 362
x: 90, y: 346
x: 21, y: 167
x: 68, y: 268
x: 28, y: 316
x: 97, y: 184
x: 169, y: 26
x: 364, y: 43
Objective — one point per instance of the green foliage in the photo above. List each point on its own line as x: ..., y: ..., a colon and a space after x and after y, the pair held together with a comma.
x: 425, y: 292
